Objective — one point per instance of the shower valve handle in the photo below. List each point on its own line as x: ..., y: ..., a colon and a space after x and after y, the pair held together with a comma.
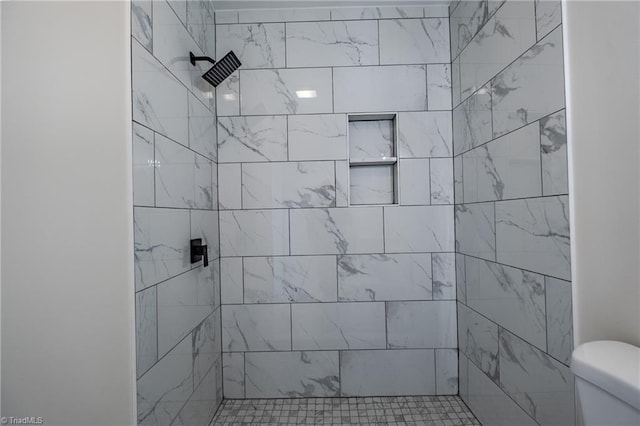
x: 199, y: 251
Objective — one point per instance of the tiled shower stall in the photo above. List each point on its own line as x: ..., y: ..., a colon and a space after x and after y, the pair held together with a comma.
x: 383, y: 192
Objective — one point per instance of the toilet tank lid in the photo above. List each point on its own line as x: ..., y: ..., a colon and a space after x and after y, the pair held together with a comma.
x: 612, y: 366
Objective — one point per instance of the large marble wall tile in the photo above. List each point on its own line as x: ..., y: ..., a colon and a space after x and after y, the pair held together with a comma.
x: 476, y: 230
x: 375, y: 89
x: 439, y: 86
x: 336, y: 231
x: 231, y: 280
x: 463, y: 377
x: 444, y: 276
x: 455, y: 83
x: 384, y: 277
x: 228, y: 96
x: 414, y: 41
x: 233, y: 374
x: 371, y: 185
x: 390, y: 372
x: 553, y: 146
x: 548, y: 16
x: 286, y: 91
x: 202, y: 129
x: 458, y: 180
x: 161, y: 246
x: 446, y: 371
x: 507, y: 167
x: 159, y: 100
x: 424, y: 134
x: 472, y: 121
x: 509, y: 33
x: 248, y: 139
x: 143, y: 166
x: 226, y: 17
x: 542, y: 386
x: 205, y: 177
x: 206, y: 345
x: 141, y: 23
x: 342, y: 183
x: 290, y: 279
x: 255, y: 45
x: 356, y: 13
x: 254, y: 233
x: 531, y: 87
x: 490, y: 404
x: 414, y: 182
x: 478, y: 340
x: 461, y: 278
x: 371, y: 139
x: 559, y: 319
x: 467, y: 18
x: 230, y: 186
x: 180, y: 9
x: 183, y: 302
x: 283, y: 15
x: 292, y: 374
x: 421, y: 325
x: 332, y: 44
x: 164, y: 389
x: 317, y: 137
x: 256, y: 328
x: 292, y: 184
x: 511, y: 297
x: 338, y: 326
x: 534, y: 234
x: 201, y: 407
x: 418, y: 229
x: 204, y: 224
x: 201, y: 25
x: 441, y: 180
x: 183, y: 178
x: 146, y: 330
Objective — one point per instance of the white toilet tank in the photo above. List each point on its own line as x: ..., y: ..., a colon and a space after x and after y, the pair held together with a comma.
x: 607, y: 383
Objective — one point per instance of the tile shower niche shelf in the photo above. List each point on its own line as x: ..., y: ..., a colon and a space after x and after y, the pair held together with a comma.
x: 373, y: 165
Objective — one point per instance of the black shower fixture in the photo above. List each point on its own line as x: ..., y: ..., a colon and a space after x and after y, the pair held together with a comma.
x: 220, y: 69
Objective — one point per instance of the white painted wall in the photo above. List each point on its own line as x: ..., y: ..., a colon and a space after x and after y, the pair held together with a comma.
x: 602, y: 49
x: 67, y: 274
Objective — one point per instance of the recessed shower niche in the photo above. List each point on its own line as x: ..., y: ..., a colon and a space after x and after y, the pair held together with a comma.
x: 373, y: 164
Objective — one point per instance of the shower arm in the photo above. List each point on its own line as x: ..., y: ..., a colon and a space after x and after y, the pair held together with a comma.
x: 193, y: 58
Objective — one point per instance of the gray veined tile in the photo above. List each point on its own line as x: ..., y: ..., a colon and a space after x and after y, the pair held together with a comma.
x: 534, y: 234
x: 421, y: 325
x: 290, y: 279
x: 478, y: 340
x: 371, y: 139
x: 455, y: 83
x: 292, y: 374
x: 206, y: 345
x: 414, y: 41
x: 204, y: 401
x: 160, y: 244
x: 414, y: 182
x: 202, y: 129
x: 256, y: 328
x: 542, y: 386
x: 291, y: 184
x: 180, y: 9
x: 384, y: 277
x: 387, y: 372
x: 230, y: 186
x: 461, y: 278
x: 342, y: 183
x: 458, y: 181
x: 439, y: 86
x: 255, y: 45
x: 467, y: 18
x: 472, y: 121
x: 332, y: 43
x: 444, y: 276
x: 559, y: 319
x: 358, y: 13
x: 146, y: 330
x: 371, y: 185
x: 143, y: 166
x: 231, y: 280
x: 531, y: 87
x: 141, y: 24
x: 204, y: 225
x: 548, y: 16
x: 424, y: 134
x: 201, y: 25
x: 317, y: 137
x: 506, y: 167
x: 441, y: 180
x: 228, y: 96
x: 233, y: 374
x: 286, y: 91
x: 513, y: 298
x: 553, y: 146
x: 476, y: 230
x: 254, y: 233
x: 446, y: 371
x: 323, y: 326
x: 336, y: 231
x: 250, y: 139
x: 418, y: 229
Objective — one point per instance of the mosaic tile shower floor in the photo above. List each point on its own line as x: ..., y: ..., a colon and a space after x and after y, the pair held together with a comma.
x: 402, y: 410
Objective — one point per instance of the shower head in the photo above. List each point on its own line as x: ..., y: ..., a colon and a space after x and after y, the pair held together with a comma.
x: 220, y: 70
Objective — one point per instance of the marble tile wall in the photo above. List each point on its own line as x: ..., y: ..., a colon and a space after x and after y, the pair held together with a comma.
x: 513, y: 264
x: 321, y: 297
x: 178, y: 314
